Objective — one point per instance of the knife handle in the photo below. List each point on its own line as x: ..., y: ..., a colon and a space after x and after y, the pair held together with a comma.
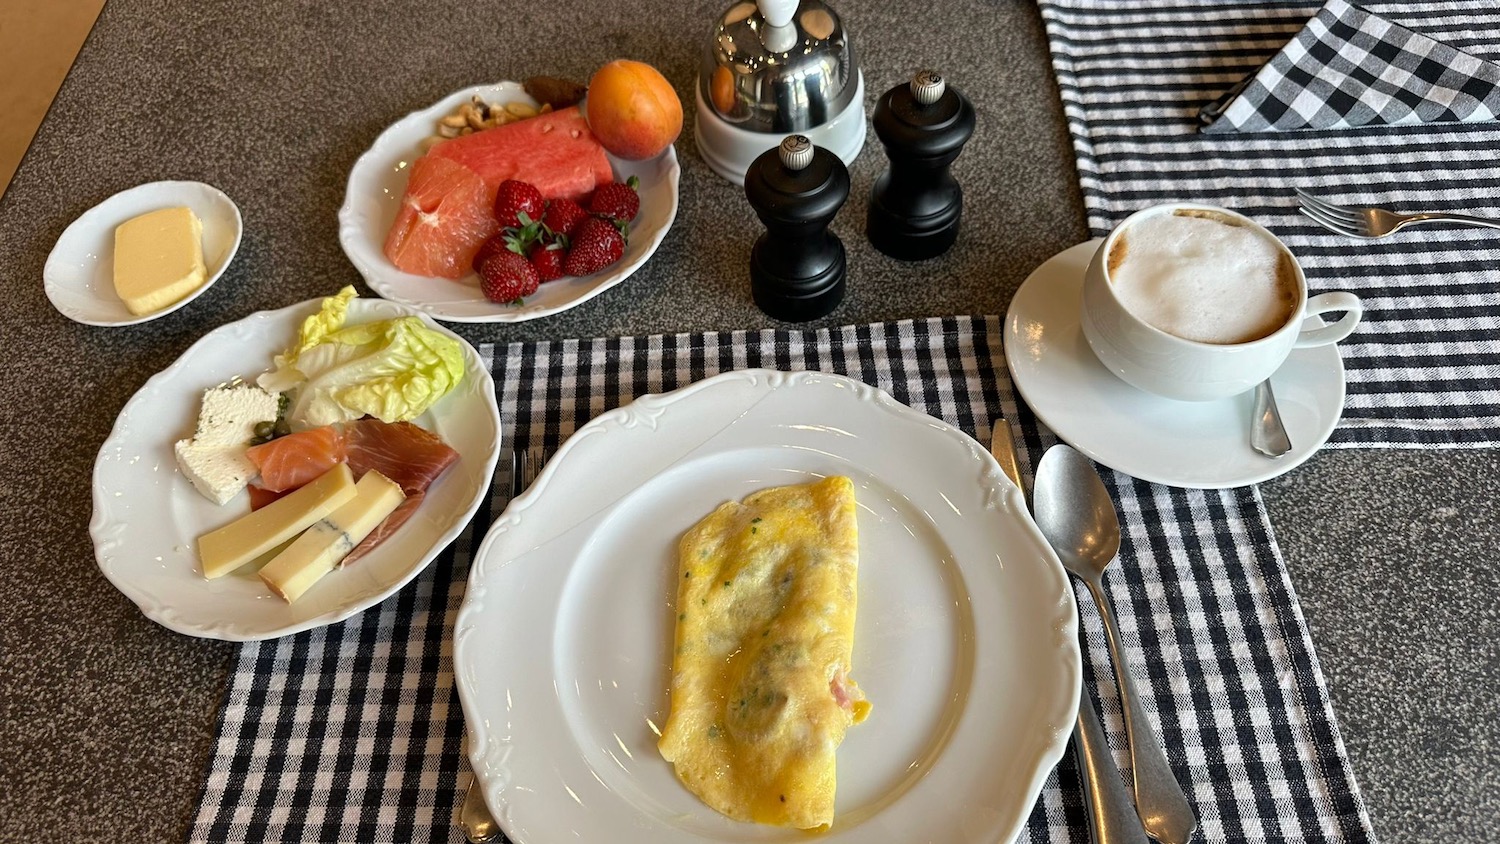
x: 1003, y: 447
x: 1112, y: 817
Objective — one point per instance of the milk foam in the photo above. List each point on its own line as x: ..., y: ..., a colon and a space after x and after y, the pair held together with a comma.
x: 1202, y: 276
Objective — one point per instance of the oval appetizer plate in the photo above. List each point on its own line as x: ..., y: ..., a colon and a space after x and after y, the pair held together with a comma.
x: 79, y: 274
x: 148, y: 517
x: 378, y: 181
x: 965, y: 638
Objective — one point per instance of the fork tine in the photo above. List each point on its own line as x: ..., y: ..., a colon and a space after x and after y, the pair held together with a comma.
x: 1335, y: 226
x: 1337, y: 211
x: 535, y: 460
x: 1318, y: 216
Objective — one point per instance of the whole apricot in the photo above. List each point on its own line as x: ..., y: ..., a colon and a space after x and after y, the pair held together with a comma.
x: 633, y: 110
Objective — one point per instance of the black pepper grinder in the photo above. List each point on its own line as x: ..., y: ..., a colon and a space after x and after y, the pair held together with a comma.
x: 915, y: 205
x: 797, y: 266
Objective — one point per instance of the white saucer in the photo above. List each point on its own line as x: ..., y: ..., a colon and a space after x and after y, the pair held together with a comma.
x: 1202, y: 445
x: 79, y: 274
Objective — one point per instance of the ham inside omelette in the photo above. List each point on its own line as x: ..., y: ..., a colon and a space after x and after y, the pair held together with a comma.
x: 761, y: 696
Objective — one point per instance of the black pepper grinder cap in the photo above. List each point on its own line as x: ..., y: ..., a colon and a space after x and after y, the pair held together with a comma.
x: 926, y: 117
x: 809, y: 184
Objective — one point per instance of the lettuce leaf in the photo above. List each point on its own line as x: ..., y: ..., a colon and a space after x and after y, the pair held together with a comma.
x: 393, y: 369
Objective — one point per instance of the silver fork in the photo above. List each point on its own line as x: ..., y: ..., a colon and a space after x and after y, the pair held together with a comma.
x: 475, y: 818
x: 1372, y: 223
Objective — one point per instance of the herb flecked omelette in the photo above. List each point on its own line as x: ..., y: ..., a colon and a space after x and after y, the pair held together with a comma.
x: 761, y: 695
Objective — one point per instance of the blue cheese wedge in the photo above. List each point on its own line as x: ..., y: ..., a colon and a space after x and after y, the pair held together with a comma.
x: 158, y: 259
x: 213, y: 459
x: 242, y: 540
x: 317, y: 551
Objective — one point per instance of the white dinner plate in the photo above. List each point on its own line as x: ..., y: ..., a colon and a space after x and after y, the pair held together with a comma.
x: 148, y: 517
x: 79, y: 276
x: 378, y: 181
x: 965, y: 641
x: 1203, y: 445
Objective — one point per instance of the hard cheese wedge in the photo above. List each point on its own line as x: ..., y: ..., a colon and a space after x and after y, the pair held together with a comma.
x: 158, y: 259
x: 316, y: 552
x: 242, y: 540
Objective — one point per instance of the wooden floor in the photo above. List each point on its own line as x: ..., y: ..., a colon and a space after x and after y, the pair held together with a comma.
x: 38, y: 41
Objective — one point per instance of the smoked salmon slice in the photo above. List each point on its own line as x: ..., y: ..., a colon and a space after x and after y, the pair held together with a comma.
x: 446, y: 214
x: 295, y: 459
x: 405, y: 453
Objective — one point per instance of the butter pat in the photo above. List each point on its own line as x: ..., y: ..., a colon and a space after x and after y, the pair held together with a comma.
x: 242, y: 540
x: 316, y: 552
x: 158, y: 259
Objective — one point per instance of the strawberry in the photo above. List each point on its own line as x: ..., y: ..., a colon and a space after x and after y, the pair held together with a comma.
x: 491, y: 247
x: 617, y: 201
x: 563, y: 216
x: 597, y: 243
x: 547, y: 258
x: 506, y: 277
x: 514, y: 199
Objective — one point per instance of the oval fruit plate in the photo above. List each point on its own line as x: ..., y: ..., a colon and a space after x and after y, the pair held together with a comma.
x: 377, y: 184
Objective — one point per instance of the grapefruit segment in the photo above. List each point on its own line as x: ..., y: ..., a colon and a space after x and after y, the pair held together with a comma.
x: 446, y: 214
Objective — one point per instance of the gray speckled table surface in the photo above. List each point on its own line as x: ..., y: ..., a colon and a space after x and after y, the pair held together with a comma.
x: 108, y: 719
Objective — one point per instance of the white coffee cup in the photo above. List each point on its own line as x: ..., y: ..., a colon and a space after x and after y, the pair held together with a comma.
x: 1159, y: 362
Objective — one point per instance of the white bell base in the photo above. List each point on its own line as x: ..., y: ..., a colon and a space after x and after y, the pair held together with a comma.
x: 730, y: 150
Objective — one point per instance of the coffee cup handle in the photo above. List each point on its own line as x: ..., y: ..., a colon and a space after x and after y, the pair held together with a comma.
x: 1322, y: 304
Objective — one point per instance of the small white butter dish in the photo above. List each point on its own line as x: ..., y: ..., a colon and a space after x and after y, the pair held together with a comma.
x: 79, y: 275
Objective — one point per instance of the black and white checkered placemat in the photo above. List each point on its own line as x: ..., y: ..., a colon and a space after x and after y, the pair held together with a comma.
x: 1424, y: 367
x: 353, y: 732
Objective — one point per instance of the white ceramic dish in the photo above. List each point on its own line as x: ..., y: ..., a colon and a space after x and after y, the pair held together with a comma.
x: 965, y: 641
x: 79, y: 274
x: 378, y: 181
x: 1202, y: 445
x: 147, y: 516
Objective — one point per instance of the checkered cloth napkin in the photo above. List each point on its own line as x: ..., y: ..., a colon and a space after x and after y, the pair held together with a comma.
x: 1351, y: 68
x: 352, y: 732
x: 1424, y: 366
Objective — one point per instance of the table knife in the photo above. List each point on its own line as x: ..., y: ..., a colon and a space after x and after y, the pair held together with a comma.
x: 1111, y: 814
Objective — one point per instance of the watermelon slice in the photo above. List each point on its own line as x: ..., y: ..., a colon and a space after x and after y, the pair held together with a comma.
x: 556, y: 152
x: 446, y: 214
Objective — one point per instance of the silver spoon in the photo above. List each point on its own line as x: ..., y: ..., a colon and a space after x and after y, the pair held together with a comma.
x: 1075, y: 513
x: 1267, y: 434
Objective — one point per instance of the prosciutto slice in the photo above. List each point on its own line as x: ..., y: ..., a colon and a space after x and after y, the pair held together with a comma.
x: 407, y: 454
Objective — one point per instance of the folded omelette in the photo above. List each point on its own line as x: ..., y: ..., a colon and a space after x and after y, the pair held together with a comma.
x: 761, y: 695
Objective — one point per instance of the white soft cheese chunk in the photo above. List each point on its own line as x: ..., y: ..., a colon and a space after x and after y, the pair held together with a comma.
x: 219, y: 472
x: 229, y: 415
x: 318, y: 550
x: 242, y: 540
x: 214, y: 458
